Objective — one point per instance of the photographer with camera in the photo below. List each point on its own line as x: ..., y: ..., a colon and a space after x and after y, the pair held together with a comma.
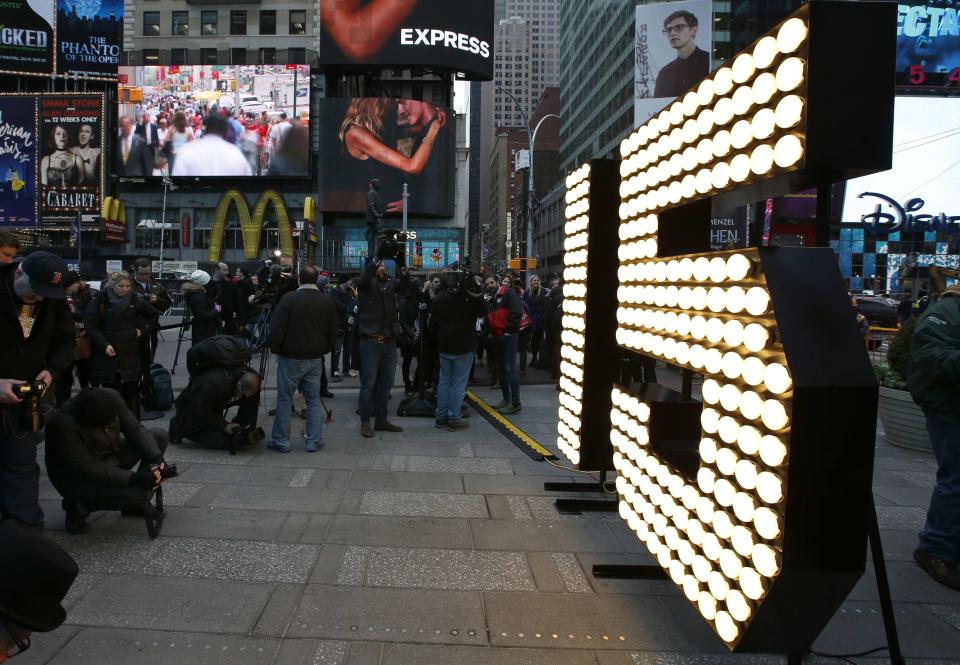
x: 453, y: 321
x: 37, y: 335
x: 379, y: 327
x: 202, y: 406
x: 157, y: 297
x: 93, y: 442
x: 504, y: 321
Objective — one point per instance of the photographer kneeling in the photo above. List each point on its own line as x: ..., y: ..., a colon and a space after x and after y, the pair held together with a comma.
x: 453, y: 321
x: 90, y: 463
x: 203, y: 404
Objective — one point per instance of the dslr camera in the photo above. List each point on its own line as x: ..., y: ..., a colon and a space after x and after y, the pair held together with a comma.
x: 166, y: 470
x: 246, y: 436
x: 392, y: 245
x: 31, y: 392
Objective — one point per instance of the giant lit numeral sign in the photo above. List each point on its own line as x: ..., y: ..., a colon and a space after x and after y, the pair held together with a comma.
x: 755, y: 503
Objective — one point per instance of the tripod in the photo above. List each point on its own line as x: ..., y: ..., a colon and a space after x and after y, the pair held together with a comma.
x: 421, y: 405
x: 184, y: 326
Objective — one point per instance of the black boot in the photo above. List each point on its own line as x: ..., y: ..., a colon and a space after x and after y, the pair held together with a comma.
x: 76, y: 521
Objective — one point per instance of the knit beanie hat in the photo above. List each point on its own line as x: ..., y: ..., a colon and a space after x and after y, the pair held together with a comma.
x: 95, y: 407
x: 199, y: 277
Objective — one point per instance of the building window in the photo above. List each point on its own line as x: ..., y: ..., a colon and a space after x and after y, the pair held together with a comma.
x: 297, y: 56
x: 181, y: 23
x: 151, y: 24
x: 268, y: 22
x: 238, y: 56
x: 438, y: 96
x: 209, y: 22
x: 298, y: 22
x: 268, y: 56
x: 151, y: 56
x: 238, y: 21
x: 201, y: 238
x: 178, y: 56
x: 208, y: 56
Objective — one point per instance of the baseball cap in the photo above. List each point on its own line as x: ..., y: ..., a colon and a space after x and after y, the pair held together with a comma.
x: 47, y: 273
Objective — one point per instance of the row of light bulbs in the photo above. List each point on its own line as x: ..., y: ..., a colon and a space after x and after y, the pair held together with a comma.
x: 754, y: 301
x: 755, y: 337
x: 791, y: 36
x: 733, y: 267
x: 575, y: 241
x: 578, y: 176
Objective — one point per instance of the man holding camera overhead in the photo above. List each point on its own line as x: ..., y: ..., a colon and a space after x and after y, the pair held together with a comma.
x: 37, y: 334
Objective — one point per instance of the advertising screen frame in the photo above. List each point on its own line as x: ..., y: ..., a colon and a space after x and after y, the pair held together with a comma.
x: 135, y: 79
x: 344, y: 179
x: 18, y: 143
x: 436, y: 34
x: 928, y: 55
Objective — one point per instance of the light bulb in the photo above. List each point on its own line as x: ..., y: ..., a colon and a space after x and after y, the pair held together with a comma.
x: 763, y: 124
x: 732, y: 365
x: 722, y: 524
x: 788, y: 151
x: 705, y: 510
x: 753, y: 370
x: 706, y: 480
x: 772, y: 451
x: 697, y: 356
x: 740, y: 166
x: 764, y: 88
x: 713, y: 361
x: 718, y: 585
x: 766, y: 560
x: 790, y: 74
x: 712, y: 547
x: 742, y: 99
x: 691, y: 588
x: 774, y: 415
x: 761, y: 161
x: 701, y: 269
x: 723, y: 111
x: 755, y: 338
x: 730, y: 564
x: 708, y: 450
x: 718, y: 269
x: 728, y: 428
x: 709, y: 420
x: 705, y: 92
x: 726, y: 458
x: 765, y: 52
x: 707, y: 605
x: 712, y: 392
x: 743, y: 507
x: 742, y: 540
x: 751, y: 584
x: 720, y: 175
x: 732, y: 329
x: 741, y: 134
x: 743, y: 68
x: 735, y: 300
x: 739, y: 267
x: 701, y: 568
x: 729, y: 395
x: 716, y: 299
x: 714, y: 331
x: 789, y: 111
x: 721, y: 143
x: 738, y: 606
x: 777, y: 379
x: 722, y: 81
x: 746, y: 472
x: 791, y: 35
x: 769, y: 487
x: 748, y: 439
x: 758, y: 300
x: 767, y: 523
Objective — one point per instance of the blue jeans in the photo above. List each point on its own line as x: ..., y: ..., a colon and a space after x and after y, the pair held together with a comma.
x: 20, y: 479
x: 507, y: 360
x: 454, y: 371
x: 306, y: 375
x: 940, y: 535
x: 378, y: 366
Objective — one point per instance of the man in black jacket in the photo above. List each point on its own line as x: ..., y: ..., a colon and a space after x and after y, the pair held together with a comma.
x: 379, y: 325
x: 37, y: 336
x: 202, y: 405
x: 453, y: 322
x: 342, y: 297
x: 303, y: 328
x: 90, y: 463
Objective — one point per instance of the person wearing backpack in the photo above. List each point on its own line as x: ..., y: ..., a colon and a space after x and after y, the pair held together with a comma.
x: 219, y: 379
x: 504, y: 323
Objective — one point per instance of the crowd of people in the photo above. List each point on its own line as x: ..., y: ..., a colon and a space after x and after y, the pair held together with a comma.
x: 168, y: 140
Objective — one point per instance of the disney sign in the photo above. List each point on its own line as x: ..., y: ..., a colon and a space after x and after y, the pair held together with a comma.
x: 880, y: 222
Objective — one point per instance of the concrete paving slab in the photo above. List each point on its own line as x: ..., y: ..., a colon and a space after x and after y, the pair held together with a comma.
x: 245, y: 475
x: 174, y: 603
x: 330, y: 652
x: 321, y: 460
x: 390, y: 615
x: 422, y: 504
x: 425, y: 464
x: 44, y: 647
x: 248, y: 560
x: 918, y: 497
x: 533, y: 535
x: 202, y: 522
x: 191, y: 453
x: 395, y: 531
x: 580, y: 621
x: 276, y: 615
x: 901, y: 518
x: 515, y: 485
x: 407, y: 654
x: 421, y: 568
x: 406, y: 482
x: 296, y: 499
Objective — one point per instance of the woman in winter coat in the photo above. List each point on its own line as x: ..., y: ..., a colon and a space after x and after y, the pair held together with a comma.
x: 206, y: 318
x: 115, y: 320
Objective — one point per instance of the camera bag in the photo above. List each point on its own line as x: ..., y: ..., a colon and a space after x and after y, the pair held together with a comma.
x: 217, y: 351
x: 159, y: 395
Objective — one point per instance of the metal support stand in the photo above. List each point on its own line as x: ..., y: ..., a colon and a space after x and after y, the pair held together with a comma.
x: 577, y: 487
x: 629, y: 572
x: 577, y: 506
x: 184, y: 325
x: 883, y: 588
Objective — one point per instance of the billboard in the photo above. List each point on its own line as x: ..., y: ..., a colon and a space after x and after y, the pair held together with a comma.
x: 27, y: 36
x: 265, y: 111
x: 70, y: 156
x: 420, y: 33
x: 88, y: 37
x: 395, y: 140
x: 18, y: 156
x: 928, y: 45
x: 920, y: 192
x: 672, y: 47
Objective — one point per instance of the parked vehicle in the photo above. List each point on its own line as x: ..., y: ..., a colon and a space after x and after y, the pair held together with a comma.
x: 880, y: 312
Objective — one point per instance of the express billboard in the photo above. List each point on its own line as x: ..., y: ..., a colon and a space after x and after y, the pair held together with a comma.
x: 427, y: 33
x: 928, y: 45
x: 672, y: 47
x: 265, y: 112
x: 398, y: 141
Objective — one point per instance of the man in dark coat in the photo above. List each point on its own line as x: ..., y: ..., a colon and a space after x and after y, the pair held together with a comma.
x: 37, y: 336
x: 205, y: 320
x: 156, y: 296
x: 201, y: 407
x: 93, y: 442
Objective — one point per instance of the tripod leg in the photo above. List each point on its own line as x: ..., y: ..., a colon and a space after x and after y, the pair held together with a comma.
x: 883, y: 588
x: 176, y: 356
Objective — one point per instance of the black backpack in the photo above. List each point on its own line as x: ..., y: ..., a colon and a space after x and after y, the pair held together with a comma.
x: 158, y: 395
x: 217, y: 351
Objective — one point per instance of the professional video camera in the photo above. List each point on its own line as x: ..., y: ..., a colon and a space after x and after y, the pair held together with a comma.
x: 31, y: 392
x: 464, y: 281
x: 392, y: 245
x: 274, y: 280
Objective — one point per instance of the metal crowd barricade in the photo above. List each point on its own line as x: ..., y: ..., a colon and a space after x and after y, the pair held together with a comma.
x: 176, y: 304
x: 878, y: 343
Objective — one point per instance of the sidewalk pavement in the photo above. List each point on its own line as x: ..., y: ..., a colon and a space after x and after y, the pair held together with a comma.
x: 422, y: 548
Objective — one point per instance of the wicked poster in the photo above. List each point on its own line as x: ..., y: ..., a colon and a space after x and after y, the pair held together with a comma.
x: 27, y: 36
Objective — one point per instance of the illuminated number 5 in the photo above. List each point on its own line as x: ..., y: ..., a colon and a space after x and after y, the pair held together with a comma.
x: 917, y: 75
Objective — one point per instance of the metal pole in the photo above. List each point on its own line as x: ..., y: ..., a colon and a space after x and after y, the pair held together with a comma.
x: 406, y: 193
x: 163, y: 217
x: 533, y: 141
x: 295, y: 91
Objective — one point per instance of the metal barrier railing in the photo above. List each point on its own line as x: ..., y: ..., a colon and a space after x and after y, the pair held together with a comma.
x: 878, y: 343
x: 177, y: 304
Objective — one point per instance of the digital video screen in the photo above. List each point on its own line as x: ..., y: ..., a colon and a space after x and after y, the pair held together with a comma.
x: 222, y: 121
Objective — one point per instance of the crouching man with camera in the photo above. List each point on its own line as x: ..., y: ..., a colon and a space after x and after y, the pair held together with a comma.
x: 37, y: 338
x: 203, y: 404
x: 93, y: 442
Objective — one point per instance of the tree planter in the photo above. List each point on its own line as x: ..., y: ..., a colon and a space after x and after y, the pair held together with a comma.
x: 903, y: 420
